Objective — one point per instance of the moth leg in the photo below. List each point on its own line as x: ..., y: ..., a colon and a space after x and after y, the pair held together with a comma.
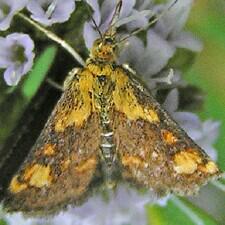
x: 127, y: 67
x: 66, y: 83
x: 55, y: 85
x: 70, y: 77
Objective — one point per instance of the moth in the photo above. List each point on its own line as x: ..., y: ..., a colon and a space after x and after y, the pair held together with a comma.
x: 106, y: 129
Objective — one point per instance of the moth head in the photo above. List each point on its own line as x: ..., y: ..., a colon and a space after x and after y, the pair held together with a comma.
x: 104, y: 49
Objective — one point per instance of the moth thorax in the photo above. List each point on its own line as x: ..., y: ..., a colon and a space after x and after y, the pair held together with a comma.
x: 104, y: 50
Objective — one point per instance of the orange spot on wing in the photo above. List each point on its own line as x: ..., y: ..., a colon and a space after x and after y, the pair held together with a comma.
x: 87, y: 165
x: 49, y: 150
x: 16, y: 186
x: 168, y: 137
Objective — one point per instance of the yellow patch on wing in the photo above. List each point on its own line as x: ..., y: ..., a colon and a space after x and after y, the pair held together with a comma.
x: 210, y: 167
x: 125, y: 101
x: 78, y: 113
x: 16, y: 186
x: 87, y: 165
x: 38, y: 175
x: 49, y: 150
x: 168, y: 137
x: 187, y: 161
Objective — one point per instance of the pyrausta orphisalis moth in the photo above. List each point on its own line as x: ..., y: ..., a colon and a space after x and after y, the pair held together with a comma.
x: 106, y: 129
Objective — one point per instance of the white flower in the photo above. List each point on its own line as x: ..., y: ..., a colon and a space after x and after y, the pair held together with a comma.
x: 48, y: 12
x: 16, y: 56
x: 150, y: 59
x: 103, y: 15
x: 8, y: 8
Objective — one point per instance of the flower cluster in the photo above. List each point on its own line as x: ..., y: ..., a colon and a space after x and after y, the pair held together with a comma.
x: 17, y: 49
x: 149, y: 59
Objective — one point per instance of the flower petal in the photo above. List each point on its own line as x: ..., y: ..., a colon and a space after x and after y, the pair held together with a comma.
x: 57, y: 11
x: 108, y: 9
x: 8, y: 8
x: 211, y: 130
x: 89, y: 34
x: 127, y: 8
x: 157, y: 54
x: 11, y: 76
x: 141, y: 22
x: 95, y: 6
x: 4, y: 53
x: 190, y: 123
x: 171, y: 101
x: 132, y: 52
x: 174, y: 19
x: 63, y: 10
x: 188, y: 41
x: 137, y: 19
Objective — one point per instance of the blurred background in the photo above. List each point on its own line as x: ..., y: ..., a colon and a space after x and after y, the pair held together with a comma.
x: 207, y: 21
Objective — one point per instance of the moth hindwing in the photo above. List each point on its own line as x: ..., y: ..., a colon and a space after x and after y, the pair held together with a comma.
x: 106, y: 129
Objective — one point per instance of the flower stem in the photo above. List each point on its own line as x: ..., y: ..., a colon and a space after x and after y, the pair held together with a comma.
x: 219, y: 185
x: 54, y: 84
x: 188, y: 211
x: 55, y: 38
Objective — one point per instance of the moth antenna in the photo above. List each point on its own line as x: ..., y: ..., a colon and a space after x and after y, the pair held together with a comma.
x: 150, y: 23
x: 94, y: 22
x: 97, y: 28
x: 112, y: 28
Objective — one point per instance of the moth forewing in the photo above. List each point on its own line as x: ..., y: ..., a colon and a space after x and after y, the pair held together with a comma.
x: 154, y: 151
x: 63, y: 164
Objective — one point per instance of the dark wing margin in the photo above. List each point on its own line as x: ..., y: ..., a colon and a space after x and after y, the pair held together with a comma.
x: 158, y: 154
x: 63, y: 164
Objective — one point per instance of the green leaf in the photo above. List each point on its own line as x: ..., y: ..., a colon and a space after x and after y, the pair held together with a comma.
x: 195, y: 214
x: 39, y: 72
x: 182, y: 60
x: 15, y: 101
x: 178, y: 212
x: 3, y: 222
